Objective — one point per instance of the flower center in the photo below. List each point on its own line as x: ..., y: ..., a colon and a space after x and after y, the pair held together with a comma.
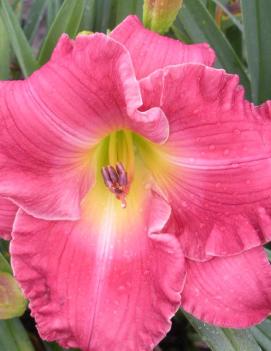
x: 116, y: 180
x: 117, y: 164
x: 127, y: 166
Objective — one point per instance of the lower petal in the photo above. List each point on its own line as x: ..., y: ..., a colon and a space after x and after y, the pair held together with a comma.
x: 7, y: 215
x: 231, y: 292
x: 109, y: 281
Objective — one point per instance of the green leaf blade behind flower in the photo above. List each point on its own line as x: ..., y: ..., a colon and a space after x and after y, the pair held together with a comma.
x: 200, y: 26
x: 68, y: 20
x: 17, y: 39
x: 220, y: 339
x: 13, y: 336
x: 4, y: 52
x: 33, y: 19
x: 262, y: 333
x: 126, y: 7
x: 257, y: 28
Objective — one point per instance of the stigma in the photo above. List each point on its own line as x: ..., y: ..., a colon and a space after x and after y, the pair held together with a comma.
x: 116, y: 180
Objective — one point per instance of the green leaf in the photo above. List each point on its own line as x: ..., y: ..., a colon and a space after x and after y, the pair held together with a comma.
x: 33, y: 19
x: 67, y: 20
x: 257, y: 29
x: 87, y: 22
x: 127, y: 7
x: 51, y: 346
x: 200, y: 26
x: 4, y: 52
x: 13, y: 337
x: 52, y: 10
x: 103, y: 12
x: 219, y: 339
x: 268, y: 251
x: 17, y: 39
x: 262, y: 333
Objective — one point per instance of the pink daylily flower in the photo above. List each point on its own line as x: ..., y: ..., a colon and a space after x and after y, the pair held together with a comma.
x: 143, y: 181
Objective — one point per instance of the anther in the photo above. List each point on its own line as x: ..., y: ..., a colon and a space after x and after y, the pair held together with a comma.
x: 116, y: 180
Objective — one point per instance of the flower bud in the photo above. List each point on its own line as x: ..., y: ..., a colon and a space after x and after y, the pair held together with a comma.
x: 158, y: 15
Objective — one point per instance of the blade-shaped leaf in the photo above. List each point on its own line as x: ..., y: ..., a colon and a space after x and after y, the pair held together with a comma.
x: 50, y: 346
x: 103, y: 12
x: 87, y: 22
x: 219, y: 339
x: 52, y: 10
x: 257, y: 28
x: 126, y: 7
x: 17, y: 39
x: 262, y: 333
x: 4, y: 52
x: 67, y: 20
x: 200, y: 26
x: 33, y: 19
x: 13, y: 337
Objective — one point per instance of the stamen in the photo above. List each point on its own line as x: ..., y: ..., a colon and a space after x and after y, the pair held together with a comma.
x: 116, y: 180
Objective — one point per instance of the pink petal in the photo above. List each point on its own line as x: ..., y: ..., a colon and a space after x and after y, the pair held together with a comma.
x: 98, y: 288
x: 231, y: 292
x: 50, y: 122
x: 265, y: 109
x: 151, y: 51
x: 219, y: 151
x: 7, y: 215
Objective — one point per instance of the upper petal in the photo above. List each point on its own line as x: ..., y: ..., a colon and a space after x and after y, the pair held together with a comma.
x: 7, y: 215
x: 109, y: 281
x: 50, y: 122
x: 151, y: 51
x: 231, y: 292
x: 219, y: 160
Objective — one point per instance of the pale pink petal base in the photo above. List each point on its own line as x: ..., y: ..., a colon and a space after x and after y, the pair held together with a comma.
x: 94, y: 288
x: 151, y: 51
x: 7, y: 215
x: 219, y: 148
x: 231, y: 292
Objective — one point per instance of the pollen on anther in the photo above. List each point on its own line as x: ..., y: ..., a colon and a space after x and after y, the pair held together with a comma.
x: 116, y: 180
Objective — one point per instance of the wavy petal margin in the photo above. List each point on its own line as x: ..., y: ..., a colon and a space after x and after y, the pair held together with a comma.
x: 219, y: 160
x: 50, y: 123
x: 109, y: 281
x: 230, y: 292
x: 151, y: 51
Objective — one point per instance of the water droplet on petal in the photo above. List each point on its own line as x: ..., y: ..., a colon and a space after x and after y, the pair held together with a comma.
x: 237, y: 131
x: 226, y: 152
